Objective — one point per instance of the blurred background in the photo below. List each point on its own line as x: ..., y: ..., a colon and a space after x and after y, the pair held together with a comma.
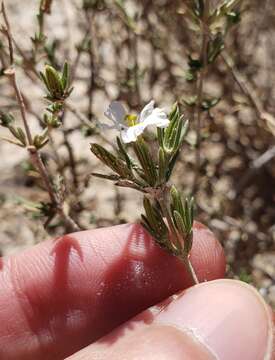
x: 134, y: 52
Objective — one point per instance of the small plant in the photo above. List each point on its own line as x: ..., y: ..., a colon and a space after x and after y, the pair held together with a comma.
x: 167, y: 216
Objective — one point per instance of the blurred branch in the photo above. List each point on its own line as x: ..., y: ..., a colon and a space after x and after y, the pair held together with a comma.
x: 249, y: 93
x: 204, y: 27
x: 6, y: 31
x: 243, y: 84
x: 33, y: 151
x: 256, y: 165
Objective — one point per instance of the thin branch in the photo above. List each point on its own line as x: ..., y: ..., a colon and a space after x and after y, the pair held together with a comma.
x: 248, y: 91
x: 11, y: 73
x: 85, y: 121
x: 243, y: 85
x: 91, y: 86
x: 200, y: 83
x: 72, y: 162
x: 34, y: 154
x: 256, y: 165
x: 7, y: 32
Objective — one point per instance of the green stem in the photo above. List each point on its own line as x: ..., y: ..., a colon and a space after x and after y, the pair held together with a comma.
x: 179, y: 244
x: 186, y: 260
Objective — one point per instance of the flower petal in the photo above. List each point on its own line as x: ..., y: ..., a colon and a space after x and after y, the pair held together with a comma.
x: 146, y: 111
x: 115, y: 112
x: 104, y: 126
x: 157, y: 118
x: 131, y: 133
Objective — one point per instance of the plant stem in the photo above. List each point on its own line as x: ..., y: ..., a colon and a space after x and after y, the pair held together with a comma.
x: 186, y: 260
x: 7, y: 32
x: 200, y: 91
x: 162, y: 200
x: 243, y: 85
x: 34, y: 154
x: 37, y: 161
x: 11, y: 73
x: 91, y: 51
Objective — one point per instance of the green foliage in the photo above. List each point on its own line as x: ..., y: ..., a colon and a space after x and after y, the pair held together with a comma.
x: 245, y: 276
x: 167, y: 218
x: 6, y: 119
x: 56, y: 83
x: 112, y: 161
x: 41, y: 140
x: 154, y: 224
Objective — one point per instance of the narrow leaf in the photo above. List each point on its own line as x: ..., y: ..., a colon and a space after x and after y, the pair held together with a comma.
x: 162, y: 166
x: 65, y: 76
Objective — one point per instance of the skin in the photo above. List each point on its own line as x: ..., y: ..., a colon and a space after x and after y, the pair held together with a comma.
x: 110, y: 294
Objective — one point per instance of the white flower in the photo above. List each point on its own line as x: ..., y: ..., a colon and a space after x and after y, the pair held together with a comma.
x: 131, y: 126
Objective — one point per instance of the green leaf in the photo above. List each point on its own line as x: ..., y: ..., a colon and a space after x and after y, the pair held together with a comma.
x: 183, y: 215
x: 65, y: 76
x: 225, y: 8
x: 174, y: 134
x: 54, y: 81
x: 111, y: 177
x: 155, y: 222
x: 45, y: 81
x: 176, y: 202
x: 146, y: 162
x: 160, y: 133
x: 214, y: 48
x: 188, y: 214
x: 207, y: 104
x: 190, y: 75
x: 11, y: 141
x: 188, y: 242
x: 179, y: 223
x: 169, y: 131
x: 6, y: 119
x: 185, y: 209
x: 124, y: 154
x: 114, y: 163
x: 162, y: 166
x: 19, y: 134
x: 176, y: 153
x: 173, y: 138
x: 40, y: 141
x: 147, y: 227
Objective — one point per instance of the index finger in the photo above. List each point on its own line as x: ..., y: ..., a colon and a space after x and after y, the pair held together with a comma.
x: 60, y: 296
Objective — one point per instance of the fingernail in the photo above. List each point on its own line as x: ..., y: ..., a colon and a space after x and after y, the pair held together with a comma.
x: 228, y: 317
x: 147, y: 342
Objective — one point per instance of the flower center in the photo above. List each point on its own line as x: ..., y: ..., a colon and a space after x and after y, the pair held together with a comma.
x: 131, y: 120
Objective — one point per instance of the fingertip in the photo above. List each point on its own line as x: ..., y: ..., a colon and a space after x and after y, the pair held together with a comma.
x: 228, y: 317
x: 221, y: 319
x: 207, y: 255
x: 151, y: 343
x: 83, y: 285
